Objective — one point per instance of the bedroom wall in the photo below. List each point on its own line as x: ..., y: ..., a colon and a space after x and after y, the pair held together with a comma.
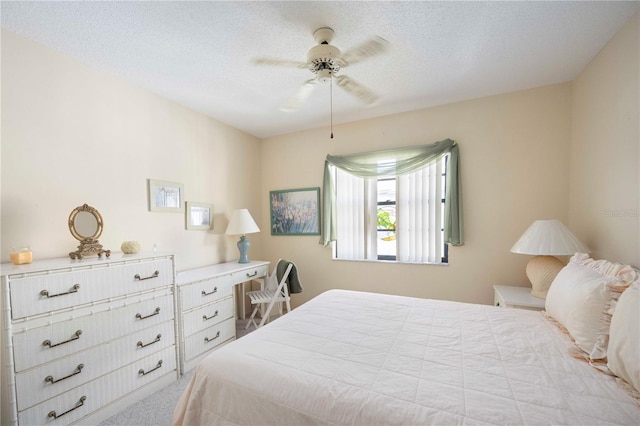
x: 72, y: 135
x: 514, y: 152
x: 605, y: 156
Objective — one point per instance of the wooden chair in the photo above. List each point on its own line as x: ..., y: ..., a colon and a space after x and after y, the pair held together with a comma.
x: 273, y: 291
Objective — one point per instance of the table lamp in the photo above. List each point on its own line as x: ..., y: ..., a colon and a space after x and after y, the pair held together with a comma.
x: 546, y: 239
x: 241, y: 223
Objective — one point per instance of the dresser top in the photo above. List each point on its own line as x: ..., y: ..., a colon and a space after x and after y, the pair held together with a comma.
x: 210, y: 271
x: 68, y: 263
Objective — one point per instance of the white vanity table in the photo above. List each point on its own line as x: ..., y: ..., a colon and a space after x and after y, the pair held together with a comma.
x: 206, y: 306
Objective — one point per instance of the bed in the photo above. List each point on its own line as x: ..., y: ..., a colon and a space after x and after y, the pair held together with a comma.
x: 371, y: 359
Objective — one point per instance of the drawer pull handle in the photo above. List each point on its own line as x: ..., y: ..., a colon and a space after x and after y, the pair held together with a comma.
x: 156, y: 312
x: 144, y: 373
x: 142, y: 345
x: 215, y: 314
x: 76, y: 336
x: 156, y: 274
x: 207, y: 340
x: 215, y: 290
x: 78, y: 405
x: 252, y: 275
x: 51, y: 380
x: 74, y: 289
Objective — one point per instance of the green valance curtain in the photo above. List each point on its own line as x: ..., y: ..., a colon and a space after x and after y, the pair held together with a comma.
x: 394, y: 162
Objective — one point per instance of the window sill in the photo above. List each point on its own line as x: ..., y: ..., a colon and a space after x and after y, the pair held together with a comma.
x: 389, y: 262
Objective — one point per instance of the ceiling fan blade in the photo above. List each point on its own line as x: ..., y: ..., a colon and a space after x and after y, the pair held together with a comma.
x: 301, y: 95
x: 372, y: 47
x: 356, y: 89
x: 280, y: 63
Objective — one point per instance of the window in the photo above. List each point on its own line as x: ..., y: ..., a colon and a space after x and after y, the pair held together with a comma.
x: 386, y: 219
x: 397, y: 218
x: 350, y: 185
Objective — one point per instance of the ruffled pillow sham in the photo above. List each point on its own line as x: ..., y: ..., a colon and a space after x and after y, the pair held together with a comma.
x: 623, y: 352
x: 582, y: 299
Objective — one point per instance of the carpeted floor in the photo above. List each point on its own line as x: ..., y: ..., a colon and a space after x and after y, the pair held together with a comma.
x: 157, y: 409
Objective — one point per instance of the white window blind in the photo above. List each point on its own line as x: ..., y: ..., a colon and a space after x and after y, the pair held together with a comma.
x: 419, y: 215
x: 350, y: 204
x: 419, y: 196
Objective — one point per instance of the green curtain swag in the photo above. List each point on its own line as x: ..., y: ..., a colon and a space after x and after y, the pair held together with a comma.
x: 395, y: 162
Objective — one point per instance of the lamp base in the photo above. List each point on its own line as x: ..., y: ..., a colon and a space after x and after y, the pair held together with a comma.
x: 243, y: 247
x: 541, y: 270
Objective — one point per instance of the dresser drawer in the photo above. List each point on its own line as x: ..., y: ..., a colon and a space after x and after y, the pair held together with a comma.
x: 44, y: 344
x: 33, y: 295
x: 205, y: 291
x: 249, y: 274
x: 83, y: 400
x: 66, y: 373
x: 207, y: 316
x: 209, y: 338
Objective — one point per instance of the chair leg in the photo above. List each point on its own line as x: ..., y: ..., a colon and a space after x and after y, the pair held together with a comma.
x: 251, y: 319
x: 262, y: 282
x: 268, y: 312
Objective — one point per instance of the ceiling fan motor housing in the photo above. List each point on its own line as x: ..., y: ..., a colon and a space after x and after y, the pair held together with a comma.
x: 324, y: 60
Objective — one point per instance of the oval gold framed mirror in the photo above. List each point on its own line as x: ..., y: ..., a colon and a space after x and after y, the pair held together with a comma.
x: 85, y: 224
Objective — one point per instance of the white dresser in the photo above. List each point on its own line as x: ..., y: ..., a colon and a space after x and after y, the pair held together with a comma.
x: 82, y: 339
x: 206, y: 306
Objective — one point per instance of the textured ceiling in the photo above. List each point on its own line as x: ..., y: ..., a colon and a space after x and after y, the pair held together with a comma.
x: 199, y: 54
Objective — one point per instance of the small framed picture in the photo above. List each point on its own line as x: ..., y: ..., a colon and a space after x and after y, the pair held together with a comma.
x: 199, y: 215
x: 295, y: 211
x: 165, y: 196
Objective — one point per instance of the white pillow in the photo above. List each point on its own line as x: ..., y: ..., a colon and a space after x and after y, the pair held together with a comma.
x: 580, y: 300
x: 623, y: 353
x: 576, y: 299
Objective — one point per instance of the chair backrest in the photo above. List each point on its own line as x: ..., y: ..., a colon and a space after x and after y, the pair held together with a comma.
x: 279, y: 286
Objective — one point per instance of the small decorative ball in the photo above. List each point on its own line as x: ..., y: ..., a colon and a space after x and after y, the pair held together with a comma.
x: 130, y: 247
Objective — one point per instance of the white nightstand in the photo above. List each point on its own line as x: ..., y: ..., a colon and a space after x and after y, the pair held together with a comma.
x: 516, y: 297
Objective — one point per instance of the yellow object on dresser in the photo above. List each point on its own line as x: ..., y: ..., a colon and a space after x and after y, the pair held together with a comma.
x: 21, y: 257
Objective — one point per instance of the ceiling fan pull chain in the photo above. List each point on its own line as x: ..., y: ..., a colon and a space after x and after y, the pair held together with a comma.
x: 331, y: 105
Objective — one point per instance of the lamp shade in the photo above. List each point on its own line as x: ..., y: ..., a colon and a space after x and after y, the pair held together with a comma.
x: 241, y: 223
x: 549, y: 237
x: 546, y: 239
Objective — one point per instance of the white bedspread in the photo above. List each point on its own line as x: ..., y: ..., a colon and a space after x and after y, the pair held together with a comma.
x: 370, y: 359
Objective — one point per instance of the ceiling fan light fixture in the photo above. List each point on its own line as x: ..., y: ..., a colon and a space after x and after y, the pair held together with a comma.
x: 325, y: 75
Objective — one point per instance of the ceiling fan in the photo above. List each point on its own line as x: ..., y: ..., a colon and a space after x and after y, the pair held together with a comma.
x: 326, y: 60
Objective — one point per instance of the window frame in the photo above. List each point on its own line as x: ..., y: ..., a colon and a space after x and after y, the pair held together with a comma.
x: 444, y: 258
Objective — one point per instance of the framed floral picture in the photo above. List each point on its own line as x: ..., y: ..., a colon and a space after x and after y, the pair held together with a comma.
x: 295, y: 211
